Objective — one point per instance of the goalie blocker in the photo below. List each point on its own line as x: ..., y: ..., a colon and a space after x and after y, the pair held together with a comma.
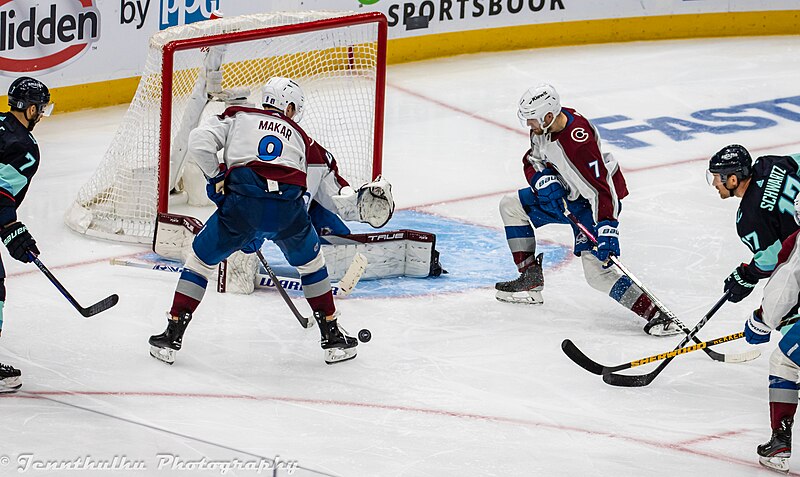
x: 397, y: 253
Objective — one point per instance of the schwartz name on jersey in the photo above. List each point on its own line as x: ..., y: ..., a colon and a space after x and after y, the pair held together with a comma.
x: 766, y: 212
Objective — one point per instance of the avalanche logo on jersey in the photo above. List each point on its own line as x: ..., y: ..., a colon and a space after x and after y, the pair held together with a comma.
x: 579, y: 135
x: 45, y: 36
x: 183, y: 12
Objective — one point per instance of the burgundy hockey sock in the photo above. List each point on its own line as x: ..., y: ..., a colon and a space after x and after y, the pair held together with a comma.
x: 323, y: 303
x: 780, y: 410
x: 188, y: 293
x: 523, y: 260
x: 644, y: 307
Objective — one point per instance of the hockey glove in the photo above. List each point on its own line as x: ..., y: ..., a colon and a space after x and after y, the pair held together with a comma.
x: 215, y: 189
x: 254, y: 245
x: 607, y: 240
x: 550, y: 191
x: 740, y: 283
x: 755, y: 330
x: 19, y: 242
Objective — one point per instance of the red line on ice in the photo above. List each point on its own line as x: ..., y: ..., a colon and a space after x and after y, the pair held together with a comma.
x: 658, y: 444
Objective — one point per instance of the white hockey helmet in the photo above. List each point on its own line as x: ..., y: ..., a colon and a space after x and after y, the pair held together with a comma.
x: 280, y: 92
x: 537, y: 102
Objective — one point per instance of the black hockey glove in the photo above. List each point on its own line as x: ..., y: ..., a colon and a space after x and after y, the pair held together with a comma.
x: 18, y: 241
x: 740, y: 283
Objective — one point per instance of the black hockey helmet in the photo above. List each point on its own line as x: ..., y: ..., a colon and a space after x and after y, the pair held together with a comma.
x: 733, y: 159
x: 26, y: 91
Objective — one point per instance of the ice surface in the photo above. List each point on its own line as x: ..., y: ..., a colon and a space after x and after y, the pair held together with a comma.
x: 452, y: 383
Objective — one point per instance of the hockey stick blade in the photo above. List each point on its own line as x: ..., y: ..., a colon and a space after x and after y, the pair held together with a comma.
x: 100, y: 306
x: 577, y: 357
x: 645, y: 379
x: 92, y: 310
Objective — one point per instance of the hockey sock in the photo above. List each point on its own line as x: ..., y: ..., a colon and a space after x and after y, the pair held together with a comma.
x: 783, y: 396
x: 317, y: 290
x: 630, y: 296
x: 522, y: 243
x: 188, y: 293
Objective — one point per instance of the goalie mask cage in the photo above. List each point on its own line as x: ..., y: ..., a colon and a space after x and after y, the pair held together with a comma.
x: 338, y: 58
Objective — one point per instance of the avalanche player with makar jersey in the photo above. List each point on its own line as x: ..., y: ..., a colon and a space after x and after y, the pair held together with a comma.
x: 780, y: 303
x: 565, y: 165
x: 259, y: 191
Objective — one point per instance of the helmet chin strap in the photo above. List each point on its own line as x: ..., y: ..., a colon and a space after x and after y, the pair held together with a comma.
x: 546, y: 129
x: 31, y: 121
x: 731, y: 191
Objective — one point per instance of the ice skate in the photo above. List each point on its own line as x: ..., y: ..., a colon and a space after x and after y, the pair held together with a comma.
x: 526, y: 289
x: 661, y: 325
x: 337, y: 345
x: 775, y: 454
x: 10, y: 379
x: 164, y: 347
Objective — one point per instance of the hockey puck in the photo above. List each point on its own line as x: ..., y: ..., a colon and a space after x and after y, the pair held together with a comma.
x: 364, y: 335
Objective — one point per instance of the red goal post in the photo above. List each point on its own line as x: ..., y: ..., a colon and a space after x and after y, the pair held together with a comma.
x: 339, y: 59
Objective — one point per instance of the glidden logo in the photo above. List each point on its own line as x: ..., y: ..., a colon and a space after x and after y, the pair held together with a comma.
x: 46, y: 36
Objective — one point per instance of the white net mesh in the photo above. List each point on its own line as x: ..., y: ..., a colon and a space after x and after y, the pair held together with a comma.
x: 336, y: 67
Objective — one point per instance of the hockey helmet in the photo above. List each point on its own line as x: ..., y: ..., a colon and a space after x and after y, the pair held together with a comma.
x: 25, y: 92
x: 537, y: 102
x: 280, y: 92
x: 733, y: 159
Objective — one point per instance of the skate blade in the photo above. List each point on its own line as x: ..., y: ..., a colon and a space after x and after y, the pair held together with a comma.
x: 532, y: 297
x: 338, y: 355
x: 659, y: 330
x: 165, y: 355
x: 10, y: 385
x: 778, y: 464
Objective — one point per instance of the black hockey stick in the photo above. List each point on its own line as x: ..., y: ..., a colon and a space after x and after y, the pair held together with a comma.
x: 738, y: 358
x: 578, y: 357
x: 92, y: 310
x: 594, y: 367
x: 304, y: 322
x: 640, y: 380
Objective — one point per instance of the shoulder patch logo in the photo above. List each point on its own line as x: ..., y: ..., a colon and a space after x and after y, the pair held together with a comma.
x: 760, y: 183
x: 579, y: 135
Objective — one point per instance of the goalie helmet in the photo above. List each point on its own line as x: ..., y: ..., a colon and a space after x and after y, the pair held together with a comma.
x: 280, y: 92
x: 25, y: 92
x: 733, y: 159
x: 537, y: 102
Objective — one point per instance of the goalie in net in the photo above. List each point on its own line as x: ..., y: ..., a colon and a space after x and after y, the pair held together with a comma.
x: 329, y: 198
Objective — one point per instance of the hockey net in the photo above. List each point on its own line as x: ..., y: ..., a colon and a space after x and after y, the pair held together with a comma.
x: 338, y: 58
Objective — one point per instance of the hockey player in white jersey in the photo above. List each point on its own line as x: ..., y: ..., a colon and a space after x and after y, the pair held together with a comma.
x: 565, y: 165
x: 258, y: 190
x: 780, y: 302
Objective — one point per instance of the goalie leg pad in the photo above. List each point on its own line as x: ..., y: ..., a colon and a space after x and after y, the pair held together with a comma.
x: 174, y: 235
x: 389, y: 254
x: 238, y: 273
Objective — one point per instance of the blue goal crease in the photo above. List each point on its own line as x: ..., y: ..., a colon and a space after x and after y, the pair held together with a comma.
x: 474, y: 257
